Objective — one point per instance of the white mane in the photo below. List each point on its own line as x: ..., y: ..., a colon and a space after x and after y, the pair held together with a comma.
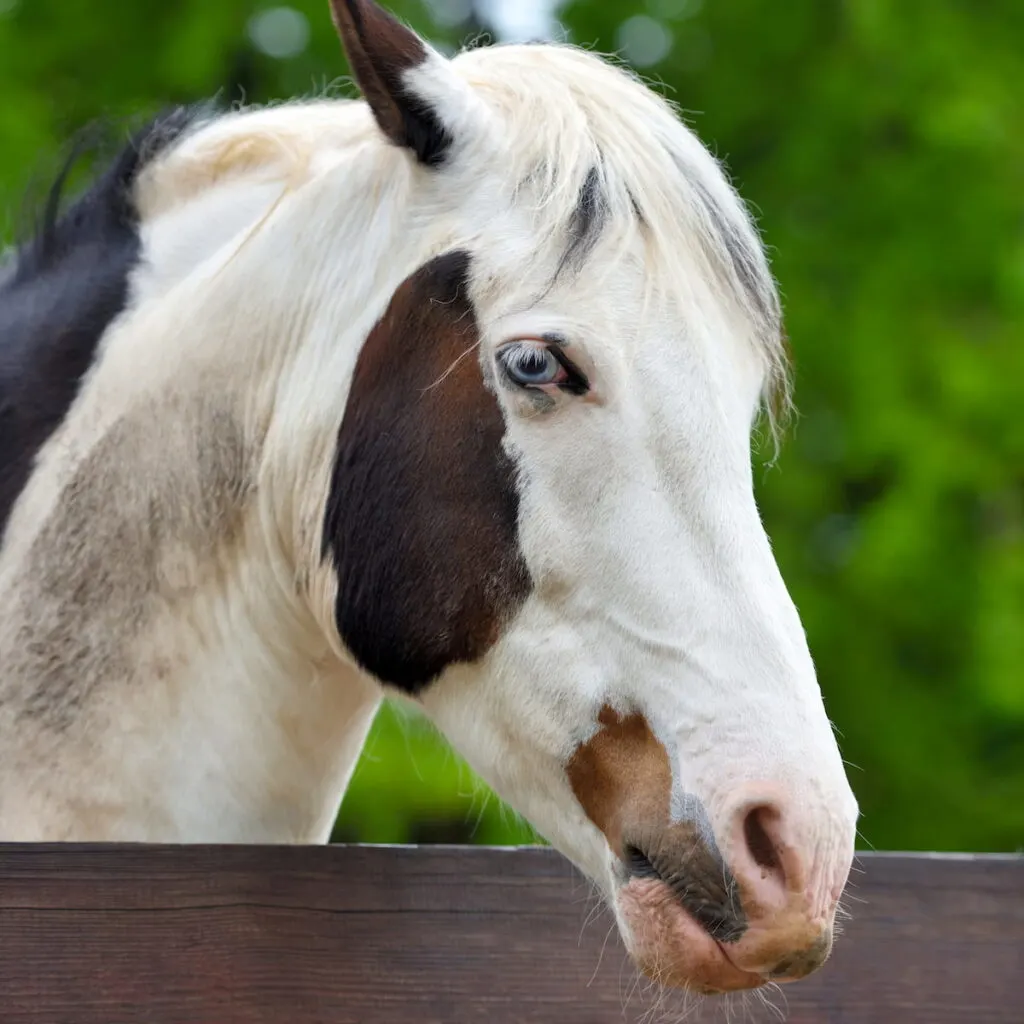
x: 566, y: 115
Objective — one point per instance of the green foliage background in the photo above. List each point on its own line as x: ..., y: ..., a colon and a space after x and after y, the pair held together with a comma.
x: 882, y: 145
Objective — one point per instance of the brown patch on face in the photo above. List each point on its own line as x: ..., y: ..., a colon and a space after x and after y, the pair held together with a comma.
x: 421, y: 521
x: 380, y: 49
x: 622, y: 778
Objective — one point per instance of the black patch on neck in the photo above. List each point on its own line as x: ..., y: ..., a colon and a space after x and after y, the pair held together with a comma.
x: 58, y: 295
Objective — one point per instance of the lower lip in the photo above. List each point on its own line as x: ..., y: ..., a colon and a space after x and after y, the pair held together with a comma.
x: 669, y: 944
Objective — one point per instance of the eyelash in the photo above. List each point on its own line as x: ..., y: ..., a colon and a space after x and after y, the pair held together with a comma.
x: 574, y: 380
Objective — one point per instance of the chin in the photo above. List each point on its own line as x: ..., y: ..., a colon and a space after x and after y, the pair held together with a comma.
x: 670, y: 946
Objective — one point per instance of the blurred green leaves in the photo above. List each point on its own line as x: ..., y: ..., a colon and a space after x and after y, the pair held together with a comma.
x: 882, y: 147
x: 410, y: 787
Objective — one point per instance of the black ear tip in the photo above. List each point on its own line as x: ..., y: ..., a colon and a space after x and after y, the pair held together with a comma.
x: 380, y: 50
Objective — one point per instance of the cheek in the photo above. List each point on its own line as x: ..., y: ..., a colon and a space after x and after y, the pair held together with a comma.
x: 518, y: 734
x: 498, y: 716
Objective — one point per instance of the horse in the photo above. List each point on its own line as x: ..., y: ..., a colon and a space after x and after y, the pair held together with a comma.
x: 445, y: 393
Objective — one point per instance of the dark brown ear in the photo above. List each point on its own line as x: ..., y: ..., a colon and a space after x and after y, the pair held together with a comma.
x: 381, y: 51
x: 421, y: 522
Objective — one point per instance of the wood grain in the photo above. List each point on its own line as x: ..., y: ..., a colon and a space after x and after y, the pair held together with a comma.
x: 383, y: 935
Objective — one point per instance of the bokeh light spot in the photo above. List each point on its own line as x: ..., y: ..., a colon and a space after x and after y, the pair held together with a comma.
x: 280, y: 32
x: 643, y: 41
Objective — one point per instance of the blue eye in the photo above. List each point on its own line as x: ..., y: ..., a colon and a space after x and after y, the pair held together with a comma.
x: 534, y: 364
x: 531, y: 365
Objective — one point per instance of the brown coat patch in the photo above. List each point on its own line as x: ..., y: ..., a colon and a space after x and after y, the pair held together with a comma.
x: 621, y: 777
x: 422, y: 517
x: 623, y: 780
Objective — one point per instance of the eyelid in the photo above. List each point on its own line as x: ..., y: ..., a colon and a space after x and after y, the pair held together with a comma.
x: 550, y: 338
x: 577, y: 382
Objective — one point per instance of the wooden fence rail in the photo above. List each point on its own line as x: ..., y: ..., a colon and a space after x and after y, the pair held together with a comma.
x: 385, y: 935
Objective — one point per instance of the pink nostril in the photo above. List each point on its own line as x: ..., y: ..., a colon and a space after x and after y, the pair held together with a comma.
x: 771, y: 844
x: 766, y: 864
x: 760, y: 844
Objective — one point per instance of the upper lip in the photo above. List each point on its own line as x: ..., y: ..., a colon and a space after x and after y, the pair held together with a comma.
x: 715, y: 911
x: 639, y: 864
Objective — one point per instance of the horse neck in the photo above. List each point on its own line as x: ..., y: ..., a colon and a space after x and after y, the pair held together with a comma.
x: 161, y: 680
x: 164, y: 676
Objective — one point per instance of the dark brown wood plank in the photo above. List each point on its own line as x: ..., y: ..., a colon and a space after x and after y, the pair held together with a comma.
x: 303, y: 935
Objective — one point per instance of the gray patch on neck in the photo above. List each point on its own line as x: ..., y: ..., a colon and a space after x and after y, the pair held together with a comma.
x: 145, y: 515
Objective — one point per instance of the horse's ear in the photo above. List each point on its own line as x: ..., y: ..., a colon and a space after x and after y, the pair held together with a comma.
x: 382, y: 53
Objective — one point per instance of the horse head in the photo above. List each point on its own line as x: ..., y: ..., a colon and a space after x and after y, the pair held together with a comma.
x: 541, y: 516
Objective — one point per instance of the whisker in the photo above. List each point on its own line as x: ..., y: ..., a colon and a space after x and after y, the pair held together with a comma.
x: 779, y: 1012
x: 864, y: 839
x: 600, y: 956
x: 592, y: 914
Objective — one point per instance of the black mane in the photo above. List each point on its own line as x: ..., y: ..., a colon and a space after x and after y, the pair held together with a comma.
x: 58, y: 294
